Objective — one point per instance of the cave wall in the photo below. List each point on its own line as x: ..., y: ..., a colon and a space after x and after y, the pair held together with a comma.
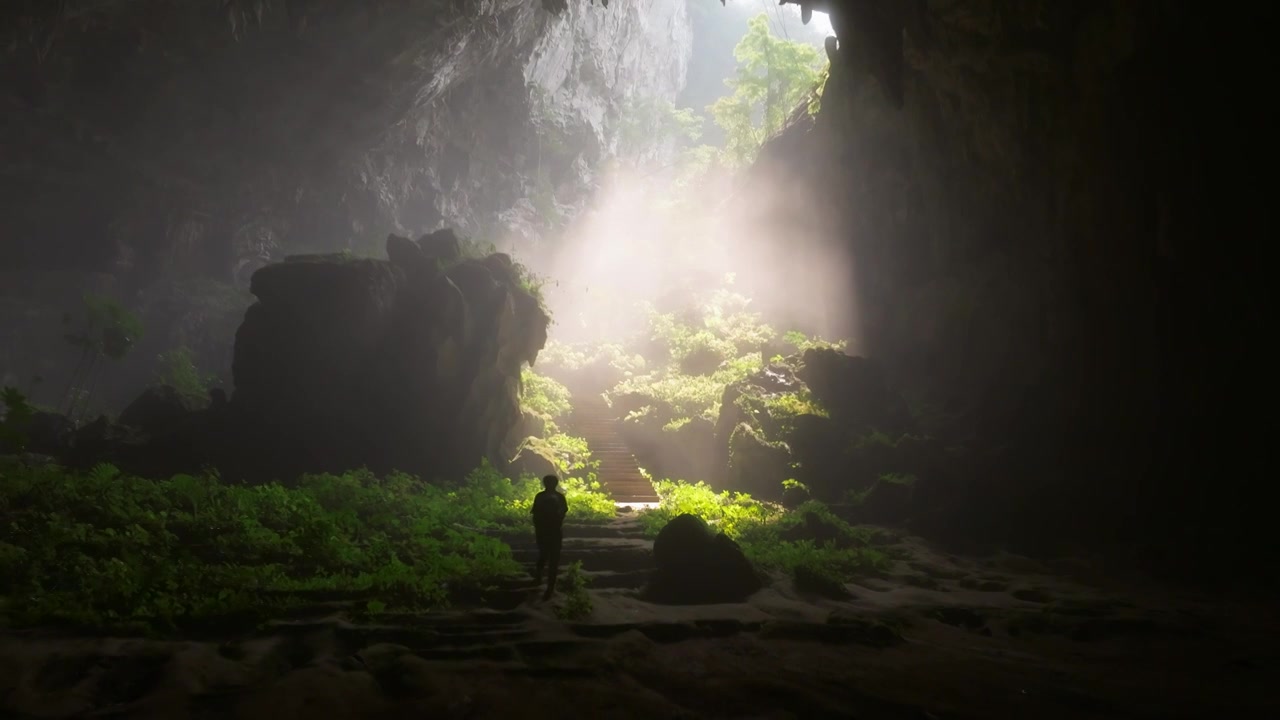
x: 155, y: 143
x: 1048, y: 209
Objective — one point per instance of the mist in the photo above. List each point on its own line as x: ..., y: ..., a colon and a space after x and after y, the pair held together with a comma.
x: 636, y: 245
x: 628, y: 251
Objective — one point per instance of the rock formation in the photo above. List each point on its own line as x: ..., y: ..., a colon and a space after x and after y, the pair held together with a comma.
x: 1028, y: 221
x: 411, y: 363
x: 179, y: 144
x: 694, y: 564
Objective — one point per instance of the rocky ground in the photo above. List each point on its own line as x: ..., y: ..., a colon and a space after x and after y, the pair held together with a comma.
x: 942, y: 637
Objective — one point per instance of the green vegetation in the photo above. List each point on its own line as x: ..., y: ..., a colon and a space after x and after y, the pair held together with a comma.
x: 104, y: 548
x: 809, y: 540
x: 774, y: 76
x: 550, y: 401
x: 577, y: 603
x: 699, y: 354
x: 178, y: 370
x: 526, y: 279
x: 802, y: 342
x: 545, y: 398
x: 696, y: 355
x: 581, y: 356
x: 729, y: 512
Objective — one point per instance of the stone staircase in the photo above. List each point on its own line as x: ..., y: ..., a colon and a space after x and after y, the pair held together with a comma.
x: 616, y: 556
x: 593, y: 421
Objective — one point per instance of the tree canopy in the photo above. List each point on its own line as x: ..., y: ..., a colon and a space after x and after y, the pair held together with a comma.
x: 773, y: 77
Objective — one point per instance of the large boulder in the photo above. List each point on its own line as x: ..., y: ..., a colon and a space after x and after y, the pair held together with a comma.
x: 694, y: 565
x: 388, y: 364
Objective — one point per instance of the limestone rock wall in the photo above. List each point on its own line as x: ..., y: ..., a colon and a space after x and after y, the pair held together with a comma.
x: 148, y: 144
x: 1033, y: 197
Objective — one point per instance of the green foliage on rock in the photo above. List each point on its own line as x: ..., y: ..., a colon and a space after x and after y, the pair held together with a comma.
x: 178, y: 370
x: 727, y: 511
x: 809, y: 541
x: 802, y: 342
x: 544, y: 397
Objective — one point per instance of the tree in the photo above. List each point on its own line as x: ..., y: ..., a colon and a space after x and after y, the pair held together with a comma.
x: 773, y: 77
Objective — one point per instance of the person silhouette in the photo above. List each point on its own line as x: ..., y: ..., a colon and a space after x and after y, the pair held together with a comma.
x: 549, y: 509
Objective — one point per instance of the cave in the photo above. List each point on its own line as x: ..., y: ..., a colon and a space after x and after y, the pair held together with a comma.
x: 879, y: 350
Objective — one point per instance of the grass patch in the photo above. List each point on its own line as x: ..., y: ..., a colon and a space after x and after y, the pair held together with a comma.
x: 107, y: 549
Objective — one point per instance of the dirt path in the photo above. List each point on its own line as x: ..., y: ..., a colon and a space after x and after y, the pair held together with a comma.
x: 943, y: 637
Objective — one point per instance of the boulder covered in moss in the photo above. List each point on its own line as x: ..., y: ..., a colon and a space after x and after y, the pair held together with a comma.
x: 773, y: 379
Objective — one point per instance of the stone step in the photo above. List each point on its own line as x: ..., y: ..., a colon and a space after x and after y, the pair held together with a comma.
x: 593, y: 561
x: 663, y: 632
x: 530, y: 651
x: 616, y: 579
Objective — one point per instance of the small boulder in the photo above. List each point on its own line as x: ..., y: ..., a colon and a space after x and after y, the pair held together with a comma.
x: 695, y: 565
